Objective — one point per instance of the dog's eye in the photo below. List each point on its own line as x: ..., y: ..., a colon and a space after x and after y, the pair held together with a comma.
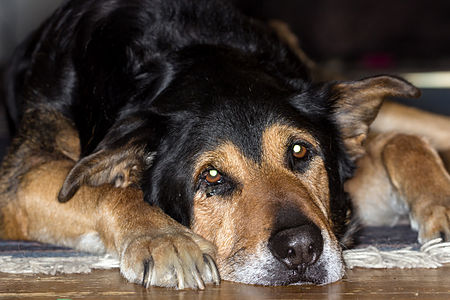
x: 214, y: 183
x: 213, y: 176
x: 299, y: 151
x: 298, y: 155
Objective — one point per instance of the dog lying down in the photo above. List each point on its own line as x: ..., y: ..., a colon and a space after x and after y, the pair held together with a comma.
x: 189, y: 141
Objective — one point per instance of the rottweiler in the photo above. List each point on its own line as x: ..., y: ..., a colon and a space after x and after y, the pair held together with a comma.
x: 188, y: 141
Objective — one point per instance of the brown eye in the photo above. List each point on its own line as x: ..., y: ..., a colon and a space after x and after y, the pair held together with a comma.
x: 213, y: 176
x: 299, y: 151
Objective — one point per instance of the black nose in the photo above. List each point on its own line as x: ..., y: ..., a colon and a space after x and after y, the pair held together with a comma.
x: 298, y: 246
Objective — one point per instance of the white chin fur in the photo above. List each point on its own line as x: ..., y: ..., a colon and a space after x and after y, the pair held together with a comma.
x: 331, y: 259
x: 261, y: 266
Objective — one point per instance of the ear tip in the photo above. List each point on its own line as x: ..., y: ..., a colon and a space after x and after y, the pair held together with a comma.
x: 62, y: 198
x: 66, y: 194
x: 405, y: 88
x: 411, y: 90
x: 416, y: 92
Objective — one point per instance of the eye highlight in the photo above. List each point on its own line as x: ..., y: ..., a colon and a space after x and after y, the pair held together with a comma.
x: 299, y: 151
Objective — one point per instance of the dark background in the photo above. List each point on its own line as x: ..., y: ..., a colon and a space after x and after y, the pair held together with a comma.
x: 350, y: 37
x: 358, y: 38
x: 350, y: 30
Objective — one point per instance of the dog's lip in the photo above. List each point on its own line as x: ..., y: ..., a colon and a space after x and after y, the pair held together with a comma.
x: 294, y: 277
x: 301, y: 280
x: 295, y: 280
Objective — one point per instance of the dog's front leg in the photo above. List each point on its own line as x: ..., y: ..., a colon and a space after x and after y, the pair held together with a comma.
x: 153, y: 249
x: 402, y: 175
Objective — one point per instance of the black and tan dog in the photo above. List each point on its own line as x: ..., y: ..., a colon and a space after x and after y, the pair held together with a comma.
x: 179, y: 134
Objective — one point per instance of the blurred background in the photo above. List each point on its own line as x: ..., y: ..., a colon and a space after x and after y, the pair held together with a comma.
x: 17, y: 19
x: 352, y: 38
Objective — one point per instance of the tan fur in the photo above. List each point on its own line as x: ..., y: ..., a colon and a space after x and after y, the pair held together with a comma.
x: 128, y: 227
x: 399, y: 171
x: 68, y: 143
x: 154, y: 249
x: 239, y: 225
x: 418, y: 175
x: 358, y: 104
x: 120, y: 167
x: 374, y: 198
x: 403, y: 119
x: 117, y: 219
x: 445, y: 155
x: 402, y: 175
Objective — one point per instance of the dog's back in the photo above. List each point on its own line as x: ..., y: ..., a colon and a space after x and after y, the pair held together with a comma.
x: 97, y: 45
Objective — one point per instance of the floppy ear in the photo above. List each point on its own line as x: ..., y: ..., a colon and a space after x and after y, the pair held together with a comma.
x: 120, y: 167
x: 120, y: 159
x: 356, y: 104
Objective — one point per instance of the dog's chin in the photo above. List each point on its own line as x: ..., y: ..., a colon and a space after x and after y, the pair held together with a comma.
x: 262, y: 268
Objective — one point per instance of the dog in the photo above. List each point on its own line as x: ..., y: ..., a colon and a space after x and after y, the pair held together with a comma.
x: 189, y: 141
x: 403, y: 143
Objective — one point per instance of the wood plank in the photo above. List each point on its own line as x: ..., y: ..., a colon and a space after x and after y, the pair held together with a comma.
x: 357, y: 284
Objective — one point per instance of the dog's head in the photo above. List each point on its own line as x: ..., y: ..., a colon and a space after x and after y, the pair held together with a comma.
x: 251, y: 161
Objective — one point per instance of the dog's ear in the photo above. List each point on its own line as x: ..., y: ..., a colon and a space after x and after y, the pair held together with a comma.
x: 120, y: 167
x: 127, y: 150
x: 356, y: 104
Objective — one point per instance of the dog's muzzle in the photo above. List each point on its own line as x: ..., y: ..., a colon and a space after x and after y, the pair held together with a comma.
x: 297, y: 247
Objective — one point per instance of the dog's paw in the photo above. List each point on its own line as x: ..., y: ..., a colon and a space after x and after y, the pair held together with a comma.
x: 181, y: 260
x: 431, y: 221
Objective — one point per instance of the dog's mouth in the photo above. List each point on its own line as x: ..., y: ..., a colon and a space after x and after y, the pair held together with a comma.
x: 300, y: 276
x: 263, y: 268
x: 274, y: 274
x: 316, y: 274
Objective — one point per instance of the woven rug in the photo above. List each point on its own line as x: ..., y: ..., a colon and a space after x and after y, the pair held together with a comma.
x: 21, y: 257
x: 375, y: 247
x: 395, y: 247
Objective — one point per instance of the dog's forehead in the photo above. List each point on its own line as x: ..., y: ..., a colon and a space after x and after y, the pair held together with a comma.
x: 224, y: 97
x: 245, y: 123
x: 266, y: 146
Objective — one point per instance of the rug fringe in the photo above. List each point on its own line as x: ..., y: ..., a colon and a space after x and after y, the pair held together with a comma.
x: 432, y: 254
x: 56, y: 265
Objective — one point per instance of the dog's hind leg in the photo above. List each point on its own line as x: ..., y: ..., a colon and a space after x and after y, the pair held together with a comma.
x: 403, y: 175
x: 394, y: 117
x: 420, y: 178
x: 153, y: 249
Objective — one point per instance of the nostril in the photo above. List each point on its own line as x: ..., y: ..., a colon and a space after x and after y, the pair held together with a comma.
x: 298, y: 246
x: 290, y: 253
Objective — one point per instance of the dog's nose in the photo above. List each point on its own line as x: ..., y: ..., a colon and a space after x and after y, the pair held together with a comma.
x: 298, y: 246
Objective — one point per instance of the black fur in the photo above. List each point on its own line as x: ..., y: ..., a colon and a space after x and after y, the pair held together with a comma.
x: 178, y: 77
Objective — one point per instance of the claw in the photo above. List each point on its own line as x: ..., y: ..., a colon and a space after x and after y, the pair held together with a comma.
x: 180, y: 265
x: 212, y: 266
x: 180, y: 279
x: 198, y: 279
x: 148, y: 272
x: 178, y: 272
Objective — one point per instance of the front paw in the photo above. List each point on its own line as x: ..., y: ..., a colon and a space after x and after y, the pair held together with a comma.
x: 181, y: 260
x: 431, y: 221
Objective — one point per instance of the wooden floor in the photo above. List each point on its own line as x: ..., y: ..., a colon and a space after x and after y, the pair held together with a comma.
x: 358, y: 284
